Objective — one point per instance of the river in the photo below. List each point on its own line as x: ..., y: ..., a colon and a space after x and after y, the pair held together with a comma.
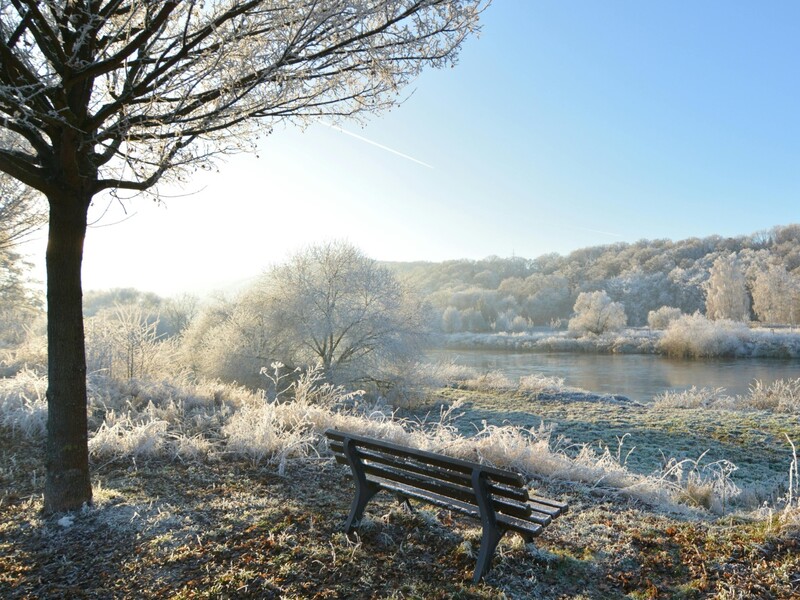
x: 637, y: 376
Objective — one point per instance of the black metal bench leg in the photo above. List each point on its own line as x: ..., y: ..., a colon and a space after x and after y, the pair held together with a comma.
x: 364, y: 489
x: 363, y: 495
x: 489, y: 540
x: 527, y: 538
x: 492, y: 531
x: 405, y: 502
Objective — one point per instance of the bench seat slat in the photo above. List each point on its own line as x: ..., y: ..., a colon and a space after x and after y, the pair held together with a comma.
x: 454, y: 464
x: 446, y: 490
x: 561, y: 507
x: 520, y: 494
x: 531, y: 511
x: 450, y: 475
x: 512, y: 523
x: 456, y: 492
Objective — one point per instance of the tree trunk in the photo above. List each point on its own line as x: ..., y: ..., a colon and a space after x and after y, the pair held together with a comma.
x: 67, y: 484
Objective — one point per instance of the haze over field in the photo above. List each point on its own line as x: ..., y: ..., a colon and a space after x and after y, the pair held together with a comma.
x: 562, y: 127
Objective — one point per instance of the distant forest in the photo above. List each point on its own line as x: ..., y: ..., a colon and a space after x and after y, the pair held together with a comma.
x: 516, y: 294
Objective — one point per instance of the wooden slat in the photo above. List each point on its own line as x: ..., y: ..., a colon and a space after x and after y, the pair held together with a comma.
x: 445, y: 489
x: 502, y: 506
x: 512, y: 523
x: 561, y: 507
x: 517, y: 493
x: 520, y: 494
x: 445, y: 462
x: 406, y: 463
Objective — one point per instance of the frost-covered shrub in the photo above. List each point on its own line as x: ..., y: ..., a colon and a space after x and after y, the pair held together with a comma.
x: 726, y: 290
x: 782, y: 395
x: 30, y: 353
x: 692, y: 398
x: 695, y: 336
x: 229, y: 341
x: 124, y: 343
x: 662, y: 317
x: 126, y: 435
x: 596, y: 313
x: 705, y: 485
x: 493, y: 380
x: 23, y: 406
x: 520, y: 324
x: 257, y: 432
x: 539, y: 383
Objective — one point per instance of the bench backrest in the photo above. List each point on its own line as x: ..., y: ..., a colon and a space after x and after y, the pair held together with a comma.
x: 442, y: 477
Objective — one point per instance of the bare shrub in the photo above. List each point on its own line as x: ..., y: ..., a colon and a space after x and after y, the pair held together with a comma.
x: 663, y: 317
x: 539, y: 383
x: 124, y: 343
x: 596, y: 313
x: 490, y: 381
x: 696, y: 336
x: 692, y: 398
x: 23, y: 406
x: 782, y: 396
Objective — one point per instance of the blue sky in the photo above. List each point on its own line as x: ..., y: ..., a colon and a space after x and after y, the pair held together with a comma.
x: 566, y: 124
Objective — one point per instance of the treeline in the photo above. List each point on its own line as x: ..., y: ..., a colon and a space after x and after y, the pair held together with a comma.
x: 365, y: 322
x: 516, y: 294
x: 329, y: 307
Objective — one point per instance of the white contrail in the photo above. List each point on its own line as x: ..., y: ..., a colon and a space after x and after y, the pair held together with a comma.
x: 599, y: 231
x: 381, y: 146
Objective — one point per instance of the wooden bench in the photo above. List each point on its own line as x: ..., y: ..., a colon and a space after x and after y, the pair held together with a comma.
x: 496, y: 497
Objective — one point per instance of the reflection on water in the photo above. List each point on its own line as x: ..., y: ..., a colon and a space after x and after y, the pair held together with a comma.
x: 637, y: 376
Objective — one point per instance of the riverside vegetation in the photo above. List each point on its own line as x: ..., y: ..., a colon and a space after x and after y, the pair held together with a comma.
x: 207, y: 489
x: 204, y: 487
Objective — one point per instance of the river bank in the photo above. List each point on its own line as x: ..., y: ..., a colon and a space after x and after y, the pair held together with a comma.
x: 702, y: 341
x: 640, y: 377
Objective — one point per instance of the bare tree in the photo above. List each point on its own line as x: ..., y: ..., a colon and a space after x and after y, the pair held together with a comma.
x: 333, y: 305
x: 22, y: 211
x: 118, y: 94
x: 776, y: 296
x: 596, y: 313
x: 726, y: 290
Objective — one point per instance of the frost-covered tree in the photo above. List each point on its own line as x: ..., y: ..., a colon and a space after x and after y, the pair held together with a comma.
x: 640, y: 293
x: 22, y: 211
x: 662, y: 317
x: 549, y: 298
x: 21, y: 214
x: 230, y: 340
x: 473, y: 320
x: 116, y: 95
x: 451, y: 320
x: 726, y: 290
x: 330, y: 304
x: 596, y: 313
x: 20, y: 303
x: 776, y: 296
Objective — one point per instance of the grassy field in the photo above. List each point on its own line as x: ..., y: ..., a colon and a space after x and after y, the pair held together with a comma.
x: 646, y: 436
x: 225, y: 524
